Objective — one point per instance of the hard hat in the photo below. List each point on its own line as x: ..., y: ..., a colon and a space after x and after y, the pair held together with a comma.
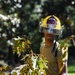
x: 52, y: 25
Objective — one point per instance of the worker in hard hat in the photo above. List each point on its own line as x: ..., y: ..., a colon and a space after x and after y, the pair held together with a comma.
x: 51, y: 27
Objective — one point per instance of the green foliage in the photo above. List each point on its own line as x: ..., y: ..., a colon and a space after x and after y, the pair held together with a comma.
x: 34, y: 63
x: 20, y: 45
x: 14, y: 73
x: 65, y: 42
x: 41, y: 63
x: 17, y: 18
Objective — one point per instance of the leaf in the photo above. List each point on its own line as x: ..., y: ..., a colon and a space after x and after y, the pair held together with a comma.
x: 14, y: 73
x: 35, y: 64
x: 28, y: 41
x: 42, y: 63
x: 20, y: 45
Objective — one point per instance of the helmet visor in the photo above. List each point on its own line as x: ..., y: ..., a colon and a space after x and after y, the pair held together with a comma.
x: 51, y: 29
x: 54, y: 31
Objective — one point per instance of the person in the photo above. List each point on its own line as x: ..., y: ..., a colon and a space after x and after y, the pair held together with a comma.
x: 51, y: 27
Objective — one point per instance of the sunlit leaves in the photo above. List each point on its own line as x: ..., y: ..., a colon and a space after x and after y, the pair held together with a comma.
x: 65, y: 42
x: 21, y: 45
x: 31, y: 67
x: 35, y: 65
x: 3, y: 68
x: 42, y: 63
x: 14, y: 73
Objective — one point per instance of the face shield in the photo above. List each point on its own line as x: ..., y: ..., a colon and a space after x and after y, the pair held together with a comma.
x: 51, y: 29
x: 51, y: 26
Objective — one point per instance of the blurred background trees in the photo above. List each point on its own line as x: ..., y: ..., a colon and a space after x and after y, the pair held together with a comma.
x: 22, y: 17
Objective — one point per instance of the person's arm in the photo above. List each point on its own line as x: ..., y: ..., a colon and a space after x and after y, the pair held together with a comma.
x: 65, y: 71
x: 62, y: 68
x: 62, y: 62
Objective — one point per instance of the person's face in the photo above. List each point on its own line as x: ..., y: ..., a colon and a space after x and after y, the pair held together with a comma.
x: 49, y: 36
